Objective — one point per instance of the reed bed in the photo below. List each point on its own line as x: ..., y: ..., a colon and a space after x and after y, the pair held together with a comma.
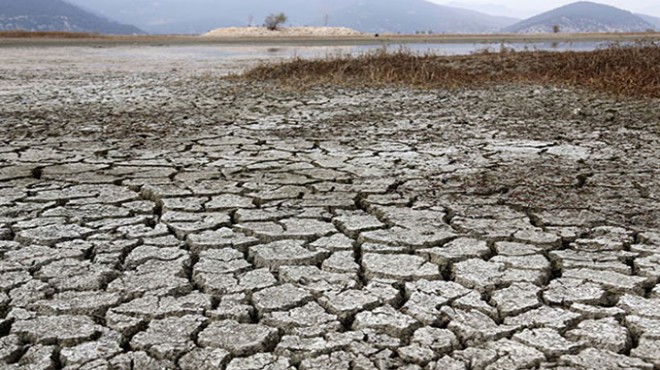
x: 630, y: 70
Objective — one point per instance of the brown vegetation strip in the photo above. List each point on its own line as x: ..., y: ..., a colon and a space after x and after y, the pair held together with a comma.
x: 624, y: 70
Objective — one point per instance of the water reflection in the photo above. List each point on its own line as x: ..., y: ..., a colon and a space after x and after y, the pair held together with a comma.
x: 214, y: 52
x: 233, y: 58
x: 438, y: 49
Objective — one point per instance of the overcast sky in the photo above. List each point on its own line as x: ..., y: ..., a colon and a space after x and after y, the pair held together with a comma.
x: 526, y: 8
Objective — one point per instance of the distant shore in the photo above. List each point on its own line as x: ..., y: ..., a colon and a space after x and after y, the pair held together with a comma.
x: 366, y: 39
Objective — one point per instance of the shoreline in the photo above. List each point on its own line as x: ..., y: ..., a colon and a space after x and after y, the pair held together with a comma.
x: 179, y: 40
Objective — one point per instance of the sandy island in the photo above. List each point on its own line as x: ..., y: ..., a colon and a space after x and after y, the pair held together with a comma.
x: 283, y: 32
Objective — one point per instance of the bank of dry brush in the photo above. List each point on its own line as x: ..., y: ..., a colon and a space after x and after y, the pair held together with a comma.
x: 622, y: 70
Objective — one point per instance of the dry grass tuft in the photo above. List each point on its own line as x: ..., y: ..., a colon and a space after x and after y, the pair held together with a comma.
x: 48, y: 34
x: 622, y: 70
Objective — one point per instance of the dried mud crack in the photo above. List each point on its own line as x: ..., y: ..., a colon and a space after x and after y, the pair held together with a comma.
x: 175, y: 220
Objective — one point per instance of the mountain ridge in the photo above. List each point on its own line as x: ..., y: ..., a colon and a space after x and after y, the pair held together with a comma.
x: 417, y: 15
x: 655, y: 21
x: 358, y: 14
x: 370, y: 16
x: 56, y: 15
x: 581, y: 17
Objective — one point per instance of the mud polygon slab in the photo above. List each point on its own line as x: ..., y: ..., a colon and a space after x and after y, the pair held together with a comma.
x: 239, y: 339
x: 283, y: 253
x: 64, y: 330
x: 168, y: 338
x: 280, y: 298
x: 399, y: 267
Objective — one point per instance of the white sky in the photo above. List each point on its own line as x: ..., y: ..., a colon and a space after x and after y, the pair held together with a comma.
x: 526, y: 8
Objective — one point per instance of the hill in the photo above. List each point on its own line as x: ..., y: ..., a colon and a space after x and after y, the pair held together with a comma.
x: 374, y: 16
x: 655, y: 21
x: 56, y: 15
x: 580, y: 17
x: 410, y: 16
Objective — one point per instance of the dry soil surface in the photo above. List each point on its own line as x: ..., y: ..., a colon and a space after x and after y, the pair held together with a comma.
x: 156, y: 216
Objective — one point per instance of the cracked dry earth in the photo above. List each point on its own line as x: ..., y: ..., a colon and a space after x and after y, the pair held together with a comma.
x: 159, y: 219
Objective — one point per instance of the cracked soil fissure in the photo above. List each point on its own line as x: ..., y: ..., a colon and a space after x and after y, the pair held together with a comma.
x: 160, y: 218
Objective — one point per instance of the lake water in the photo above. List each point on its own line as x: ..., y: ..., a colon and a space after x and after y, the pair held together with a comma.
x: 285, y: 52
x: 224, y: 59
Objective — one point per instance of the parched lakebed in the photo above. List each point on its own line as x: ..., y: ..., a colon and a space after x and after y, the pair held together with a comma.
x: 156, y: 215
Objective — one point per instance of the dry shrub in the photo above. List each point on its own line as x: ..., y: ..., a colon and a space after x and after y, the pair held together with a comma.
x: 625, y: 70
x: 47, y: 34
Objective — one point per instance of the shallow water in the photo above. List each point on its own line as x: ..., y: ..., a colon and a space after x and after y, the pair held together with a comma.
x: 223, y: 59
x: 202, y: 52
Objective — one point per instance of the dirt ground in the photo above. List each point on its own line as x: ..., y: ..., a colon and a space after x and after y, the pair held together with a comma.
x: 154, y: 214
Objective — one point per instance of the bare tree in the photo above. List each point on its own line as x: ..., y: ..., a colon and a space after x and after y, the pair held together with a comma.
x: 273, y: 21
x: 555, y: 28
